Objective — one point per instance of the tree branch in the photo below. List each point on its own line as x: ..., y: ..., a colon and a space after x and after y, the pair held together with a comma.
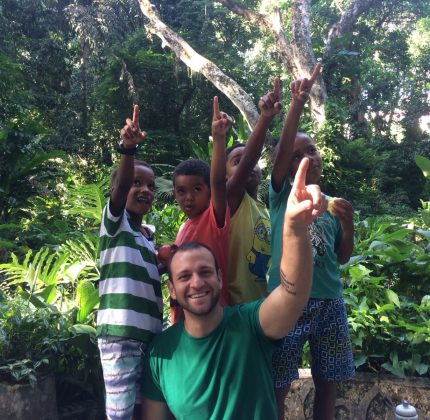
x: 200, y: 64
x: 132, y: 92
x: 348, y: 19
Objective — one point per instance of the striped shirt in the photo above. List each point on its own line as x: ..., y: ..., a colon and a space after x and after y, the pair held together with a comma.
x: 130, y: 291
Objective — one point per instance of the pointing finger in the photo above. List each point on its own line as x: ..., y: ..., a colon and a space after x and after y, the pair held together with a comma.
x: 136, y: 115
x: 277, y: 88
x: 300, y: 178
x: 217, y: 114
x: 316, y: 72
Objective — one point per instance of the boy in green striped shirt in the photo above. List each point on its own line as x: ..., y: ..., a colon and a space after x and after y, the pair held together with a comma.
x: 130, y: 312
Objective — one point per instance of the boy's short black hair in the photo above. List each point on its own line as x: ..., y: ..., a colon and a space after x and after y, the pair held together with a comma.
x: 275, y: 149
x: 193, y: 167
x: 136, y: 163
x: 233, y: 146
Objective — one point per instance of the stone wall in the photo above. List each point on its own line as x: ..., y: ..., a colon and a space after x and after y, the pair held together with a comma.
x: 366, y: 397
x: 19, y: 402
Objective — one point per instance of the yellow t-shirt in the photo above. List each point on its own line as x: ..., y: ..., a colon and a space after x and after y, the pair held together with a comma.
x: 249, y: 251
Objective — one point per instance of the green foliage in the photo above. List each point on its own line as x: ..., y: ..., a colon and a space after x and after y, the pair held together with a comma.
x: 88, y: 201
x: 387, y: 293
x: 424, y: 164
x: 32, y: 340
x: 166, y: 222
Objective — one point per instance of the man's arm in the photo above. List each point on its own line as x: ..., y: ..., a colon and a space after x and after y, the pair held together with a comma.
x: 300, y: 90
x: 155, y: 410
x: 220, y: 126
x: 131, y: 136
x: 281, y: 309
x: 269, y: 106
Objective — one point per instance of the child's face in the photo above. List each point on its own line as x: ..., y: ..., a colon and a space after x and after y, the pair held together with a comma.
x: 233, y: 160
x: 305, y: 147
x: 192, y: 194
x: 141, y: 194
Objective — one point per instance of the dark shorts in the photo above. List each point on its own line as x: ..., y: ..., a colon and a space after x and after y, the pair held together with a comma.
x: 324, y: 324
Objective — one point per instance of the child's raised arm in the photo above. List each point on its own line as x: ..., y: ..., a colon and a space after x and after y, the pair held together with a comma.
x: 269, y: 105
x: 123, y: 180
x: 220, y: 124
x: 299, y: 93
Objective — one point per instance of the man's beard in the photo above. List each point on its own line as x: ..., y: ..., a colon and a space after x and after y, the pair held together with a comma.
x: 203, y: 311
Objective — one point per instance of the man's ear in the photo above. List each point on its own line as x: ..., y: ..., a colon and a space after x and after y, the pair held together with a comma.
x: 219, y: 275
x: 174, y: 193
x: 171, y: 289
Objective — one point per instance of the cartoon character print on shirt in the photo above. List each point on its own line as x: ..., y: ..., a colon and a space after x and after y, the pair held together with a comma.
x: 318, y: 243
x: 259, y: 255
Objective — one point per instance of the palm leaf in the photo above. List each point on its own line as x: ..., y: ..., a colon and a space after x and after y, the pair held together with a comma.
x: 88, y: 200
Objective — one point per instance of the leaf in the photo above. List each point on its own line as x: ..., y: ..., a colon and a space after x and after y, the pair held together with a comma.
x: 87, y: 297
x: 393, y: 297
x: 397, y: 371
x: 421, y: 368
x: 425, y: 214
x: 363, y: 305
x: 358, y: 272
x: 88, y: 200
x: 424, y: 164
x: 83, y: 329
x: 360, y: 360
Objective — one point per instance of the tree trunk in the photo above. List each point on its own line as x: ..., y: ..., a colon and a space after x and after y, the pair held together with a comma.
x: 296, y: 55
x: 304, y: 58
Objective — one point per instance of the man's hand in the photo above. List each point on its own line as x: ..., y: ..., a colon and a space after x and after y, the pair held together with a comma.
x: 300, y: 89
x: 221, y: 122
x: 305, y: 202
x: 130, y: 133
x: 270, y: 104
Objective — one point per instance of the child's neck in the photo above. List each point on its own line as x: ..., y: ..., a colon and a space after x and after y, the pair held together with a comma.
x: 136, y: 220
x: 253, y: 192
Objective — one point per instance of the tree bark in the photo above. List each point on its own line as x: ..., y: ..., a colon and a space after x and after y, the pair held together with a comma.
x: 200, y: 64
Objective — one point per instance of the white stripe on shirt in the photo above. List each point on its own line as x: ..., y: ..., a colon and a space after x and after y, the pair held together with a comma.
x: 128, y: 255
x: 131, y: 287
x: 128, y: 318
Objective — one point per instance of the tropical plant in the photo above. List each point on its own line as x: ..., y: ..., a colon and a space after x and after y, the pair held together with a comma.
x: 387, y: 297
x: 35, y: 340
x: 424, y: 164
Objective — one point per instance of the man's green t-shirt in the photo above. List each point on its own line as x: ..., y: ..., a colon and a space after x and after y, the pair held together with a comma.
x: 225, y: 375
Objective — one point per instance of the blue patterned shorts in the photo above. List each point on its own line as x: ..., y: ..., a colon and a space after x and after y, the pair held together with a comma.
x: 122, y: 362
x: 325, y: 325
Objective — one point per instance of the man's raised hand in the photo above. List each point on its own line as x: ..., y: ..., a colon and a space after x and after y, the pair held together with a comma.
x: 300, y: 89
x: 130, y: 133
x: 270, y: 104
x: 305, y: 202
x: 221, y: 122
